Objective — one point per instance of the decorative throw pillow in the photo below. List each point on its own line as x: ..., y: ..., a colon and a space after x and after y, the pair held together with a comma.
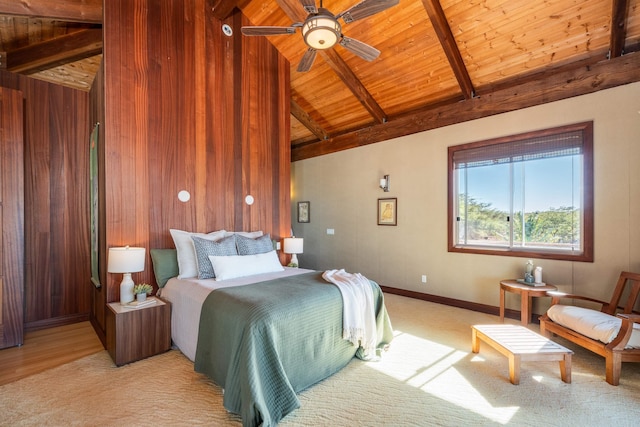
x: 165, y: 265
x: 230, y: 267
x: 252, y: 234
x: 187, y: 264
x: 249, y: 246
x: 204, y: 248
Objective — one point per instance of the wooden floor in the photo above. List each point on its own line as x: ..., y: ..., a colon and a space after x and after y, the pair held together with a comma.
x: 47, y: 349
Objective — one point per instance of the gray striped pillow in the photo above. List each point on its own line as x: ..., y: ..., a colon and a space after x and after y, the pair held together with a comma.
x: 223, y: 247
x: 249, y: 246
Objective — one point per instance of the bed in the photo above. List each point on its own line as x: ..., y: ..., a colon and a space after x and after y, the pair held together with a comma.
x: 262, y: 337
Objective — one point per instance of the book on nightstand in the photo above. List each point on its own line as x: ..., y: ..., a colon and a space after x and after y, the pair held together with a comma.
x: 139, y: 304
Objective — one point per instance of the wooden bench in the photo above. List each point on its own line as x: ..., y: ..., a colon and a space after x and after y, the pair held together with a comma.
x: 521, y: 344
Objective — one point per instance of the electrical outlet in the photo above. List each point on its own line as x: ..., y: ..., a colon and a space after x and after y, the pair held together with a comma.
x: 424, y: 278
x: 331, y: 231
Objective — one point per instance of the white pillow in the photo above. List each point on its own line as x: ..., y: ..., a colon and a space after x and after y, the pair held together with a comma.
x: 230, y: 267
x: 186, y: 252
x: 250, y: 234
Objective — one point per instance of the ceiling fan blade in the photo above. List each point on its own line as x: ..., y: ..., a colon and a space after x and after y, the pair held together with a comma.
x: 363, y: 50
x: 309, y: 6
x: 307, y: 60
x: 366, y: 8
x: 267, y: 31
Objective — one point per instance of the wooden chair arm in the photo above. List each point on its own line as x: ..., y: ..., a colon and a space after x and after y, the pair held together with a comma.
x: 635, y: 318
x: 621, y: 340
x: 557, y: 296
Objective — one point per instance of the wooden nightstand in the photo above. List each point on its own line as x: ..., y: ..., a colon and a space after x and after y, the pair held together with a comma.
x: 133, y: 334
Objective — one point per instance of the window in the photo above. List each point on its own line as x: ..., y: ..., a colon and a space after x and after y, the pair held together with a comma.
x: 528, y: 195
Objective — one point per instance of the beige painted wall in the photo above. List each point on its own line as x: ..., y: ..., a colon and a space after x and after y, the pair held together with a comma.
x: 343, y: 191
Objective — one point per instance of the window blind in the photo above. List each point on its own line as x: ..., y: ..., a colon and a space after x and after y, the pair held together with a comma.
x: 542, y: 147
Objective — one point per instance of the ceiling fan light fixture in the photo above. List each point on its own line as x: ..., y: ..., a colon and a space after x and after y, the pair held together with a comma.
x: 321, y: 31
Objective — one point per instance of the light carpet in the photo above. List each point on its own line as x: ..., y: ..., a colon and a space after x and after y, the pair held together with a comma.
x: 428, y: 377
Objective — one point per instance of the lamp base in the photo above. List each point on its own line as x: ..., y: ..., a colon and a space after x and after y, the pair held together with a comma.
x: 126, y: 289
x: 294, y: 261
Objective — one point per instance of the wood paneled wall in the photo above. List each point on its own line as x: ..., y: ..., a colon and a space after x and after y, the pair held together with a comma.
x: 188, y: 108
x: 181, y: 106
x: 11, y: 218
x: 56, y: 225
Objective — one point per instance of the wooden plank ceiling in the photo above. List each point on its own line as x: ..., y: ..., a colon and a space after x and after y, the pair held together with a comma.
x: 56, y: 41
x: 441, y: 62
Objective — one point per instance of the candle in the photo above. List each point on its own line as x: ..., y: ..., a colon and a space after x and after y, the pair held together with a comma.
x: 537, y: 275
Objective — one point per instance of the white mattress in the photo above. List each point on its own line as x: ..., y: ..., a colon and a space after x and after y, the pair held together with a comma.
x: 188, y: 295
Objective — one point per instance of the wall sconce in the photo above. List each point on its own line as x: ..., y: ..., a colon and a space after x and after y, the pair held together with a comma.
x: 384, y: 183
x: 126, y: 260
x: 294, y: 246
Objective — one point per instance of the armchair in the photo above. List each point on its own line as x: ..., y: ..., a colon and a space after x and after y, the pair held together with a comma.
x: 613, y: 332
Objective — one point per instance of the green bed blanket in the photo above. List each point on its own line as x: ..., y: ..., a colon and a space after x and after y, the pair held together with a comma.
x: 267, y: 341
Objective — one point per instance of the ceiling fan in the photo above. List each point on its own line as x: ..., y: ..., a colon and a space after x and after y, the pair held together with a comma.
x: 321, y: 29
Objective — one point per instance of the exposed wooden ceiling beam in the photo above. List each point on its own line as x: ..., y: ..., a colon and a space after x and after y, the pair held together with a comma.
x: 448, y: 42
x: 89, y: 11
x: 307, y: 121
x: 548, y: 88
x: 352, y: 82
x: 57, y: 51
x: 293, y: 9
x: 619, y: 15
x: 221, y: 9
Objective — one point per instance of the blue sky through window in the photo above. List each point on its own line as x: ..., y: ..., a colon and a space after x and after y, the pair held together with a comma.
x: 549, y: 184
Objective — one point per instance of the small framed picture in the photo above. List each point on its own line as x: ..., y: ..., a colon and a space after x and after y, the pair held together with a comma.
x: 388, y: 211
x: 304, y: 211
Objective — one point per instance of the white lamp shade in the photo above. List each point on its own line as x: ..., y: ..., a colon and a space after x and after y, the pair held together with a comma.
x: 126, y: 260
x: 293, y: 245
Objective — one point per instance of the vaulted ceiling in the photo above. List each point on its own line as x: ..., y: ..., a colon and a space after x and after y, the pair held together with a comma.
x: 56, y: 41
x: 441, y: 62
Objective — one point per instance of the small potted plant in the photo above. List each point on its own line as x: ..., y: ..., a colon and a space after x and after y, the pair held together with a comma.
x: 141, y: 290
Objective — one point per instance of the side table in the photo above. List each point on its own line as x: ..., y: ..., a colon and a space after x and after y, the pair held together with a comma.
x: 526, y: 293
x: 136, y: 333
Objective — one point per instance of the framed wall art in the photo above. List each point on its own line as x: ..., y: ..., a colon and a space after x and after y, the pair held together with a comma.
x: 388, y: 211
x: 304, y: 211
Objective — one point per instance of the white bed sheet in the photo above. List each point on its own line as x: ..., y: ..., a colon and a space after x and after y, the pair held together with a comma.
x: 187, y: 296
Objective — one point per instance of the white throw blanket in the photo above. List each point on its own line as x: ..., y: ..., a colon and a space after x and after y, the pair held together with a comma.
x: 359, y: 319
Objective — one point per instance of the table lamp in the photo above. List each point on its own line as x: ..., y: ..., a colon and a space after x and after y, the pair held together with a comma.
x: 293, y: 245
x: 126, y: 260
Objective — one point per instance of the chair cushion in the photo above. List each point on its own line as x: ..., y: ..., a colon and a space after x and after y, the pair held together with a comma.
x: 591, y: 323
